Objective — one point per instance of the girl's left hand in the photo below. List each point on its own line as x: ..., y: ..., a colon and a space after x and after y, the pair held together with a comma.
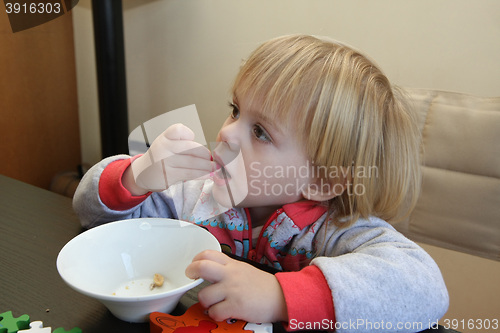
x: 238, y: 290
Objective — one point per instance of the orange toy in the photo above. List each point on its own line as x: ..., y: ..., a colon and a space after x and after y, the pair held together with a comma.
x: 196, y: 320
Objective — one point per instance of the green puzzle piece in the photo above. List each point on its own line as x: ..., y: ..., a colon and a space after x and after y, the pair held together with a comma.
x: 9, y: 324
x: 73, y: 330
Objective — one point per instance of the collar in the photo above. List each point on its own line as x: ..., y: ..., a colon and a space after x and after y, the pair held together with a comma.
x: 304, y: 213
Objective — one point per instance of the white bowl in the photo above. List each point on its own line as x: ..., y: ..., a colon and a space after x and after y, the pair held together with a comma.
x: 115, y: 264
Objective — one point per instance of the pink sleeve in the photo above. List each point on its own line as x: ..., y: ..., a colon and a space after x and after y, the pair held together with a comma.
x: 308, y: 297
x: 111, y: 190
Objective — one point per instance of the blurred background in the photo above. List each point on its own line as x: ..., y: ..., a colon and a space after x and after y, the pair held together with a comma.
x: 180, y: 52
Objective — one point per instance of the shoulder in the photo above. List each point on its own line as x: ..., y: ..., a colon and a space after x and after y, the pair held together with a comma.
x: 362, y: 233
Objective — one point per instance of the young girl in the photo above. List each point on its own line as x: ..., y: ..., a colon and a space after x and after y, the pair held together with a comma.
x: 318, y: 154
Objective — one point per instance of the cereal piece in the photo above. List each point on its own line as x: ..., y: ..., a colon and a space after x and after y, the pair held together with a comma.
x: 158, y: 280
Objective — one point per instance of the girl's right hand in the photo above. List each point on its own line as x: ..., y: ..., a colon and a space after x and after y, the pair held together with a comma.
x: 172, y: 157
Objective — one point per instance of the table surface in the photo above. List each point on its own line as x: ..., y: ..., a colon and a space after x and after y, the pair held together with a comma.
x: 34, y: 225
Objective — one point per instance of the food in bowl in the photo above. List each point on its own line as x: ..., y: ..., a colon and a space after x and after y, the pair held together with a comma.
x: 116, y: 264
x: 158, y: 281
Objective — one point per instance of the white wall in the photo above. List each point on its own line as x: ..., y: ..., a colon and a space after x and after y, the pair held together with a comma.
x: 180, y: 52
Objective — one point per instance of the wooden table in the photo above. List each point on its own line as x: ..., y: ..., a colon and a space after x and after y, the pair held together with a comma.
x: 34, y: 225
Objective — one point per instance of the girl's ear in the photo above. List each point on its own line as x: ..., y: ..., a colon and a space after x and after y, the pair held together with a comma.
x: 321, y: 189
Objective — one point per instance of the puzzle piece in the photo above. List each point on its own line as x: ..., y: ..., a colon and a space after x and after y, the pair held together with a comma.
x: 195, y: 319
x: 259, y: 328
x: 37, y: 327
x: 9, y: 324
x: 73, y: 330
x: 203, y: 327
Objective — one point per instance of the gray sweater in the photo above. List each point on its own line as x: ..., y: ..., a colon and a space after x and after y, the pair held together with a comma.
x: 379, y: 280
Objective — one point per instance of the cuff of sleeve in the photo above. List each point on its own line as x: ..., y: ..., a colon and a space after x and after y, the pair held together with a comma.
x: 308, y: 298
x: 111, y: 190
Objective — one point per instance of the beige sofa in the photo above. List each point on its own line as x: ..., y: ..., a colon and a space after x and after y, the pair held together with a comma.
x: 457, y: 218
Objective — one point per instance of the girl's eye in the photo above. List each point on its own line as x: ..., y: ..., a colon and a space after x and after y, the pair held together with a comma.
x: 235, y: 112
x: 261, y: 134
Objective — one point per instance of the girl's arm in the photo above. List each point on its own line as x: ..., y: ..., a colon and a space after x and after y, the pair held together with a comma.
x: 379, y: 278
x: 119, y: 187
x: 101, y: 196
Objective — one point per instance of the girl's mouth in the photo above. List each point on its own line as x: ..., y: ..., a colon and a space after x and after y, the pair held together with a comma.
x: 220, y: 176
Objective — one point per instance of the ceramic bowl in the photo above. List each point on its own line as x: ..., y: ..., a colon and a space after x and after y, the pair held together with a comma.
x: 115, y: 263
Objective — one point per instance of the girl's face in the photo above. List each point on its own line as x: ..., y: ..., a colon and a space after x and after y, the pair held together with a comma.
x: 263, y: 164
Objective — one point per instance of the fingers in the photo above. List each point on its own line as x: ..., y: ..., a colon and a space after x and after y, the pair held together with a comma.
x: 179, y: 132
x: 211, y: 296
x: 238, y: 290
x: 207, y: 265
x: 210, y: 265
x: 177, y: 139
x: 189, y: 162
x: 213, y: 255
x: 220, y: 310
x: 205, y: 269
x: 178, y: 157
x: 182, y: 167
x: 163, y: 147
x: 173, y: 157
x: 191, y: 148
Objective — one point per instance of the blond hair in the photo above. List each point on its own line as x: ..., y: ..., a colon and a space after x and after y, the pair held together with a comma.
x: 346, y: 114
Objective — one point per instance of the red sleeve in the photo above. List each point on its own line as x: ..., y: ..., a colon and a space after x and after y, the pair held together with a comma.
x: 308, y: 297
x: 111, y: 190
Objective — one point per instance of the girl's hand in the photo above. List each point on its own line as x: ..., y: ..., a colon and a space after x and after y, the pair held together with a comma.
x: 238, y: 290
x: 172, y: 157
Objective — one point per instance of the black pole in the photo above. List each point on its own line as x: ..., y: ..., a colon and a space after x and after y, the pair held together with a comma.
x: 111, y: 78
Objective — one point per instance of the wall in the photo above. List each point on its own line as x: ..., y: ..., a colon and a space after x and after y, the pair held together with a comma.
x: 183, y: 52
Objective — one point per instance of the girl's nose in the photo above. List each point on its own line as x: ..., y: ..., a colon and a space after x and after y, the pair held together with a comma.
x: 230, y: 135
x: 227, y: 147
